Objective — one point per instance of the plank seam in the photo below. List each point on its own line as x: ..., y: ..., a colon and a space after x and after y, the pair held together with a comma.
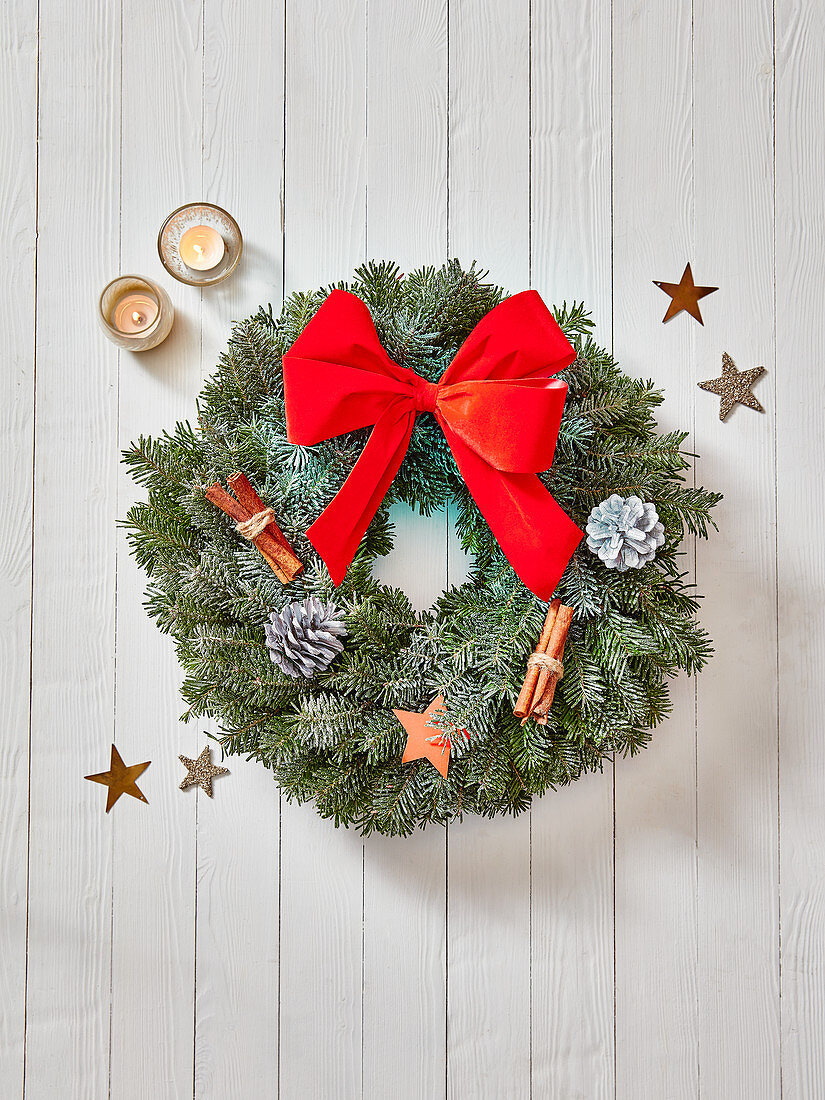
x: 695, y: 555
x: 446, y: 959
x: 113, y: 848
x: 280, y: 796
x: 530, y: 228
x: 530, y: 283
x: 363, y: 957
x: 195, y: 958
x: 366, y: 221
x: 447, y: 124
x: 197, y: 792
x: 776, y: 574
x: 366, y: 256
x: 448, y: 181
x: 612, y: 349
x: 24, y: 1065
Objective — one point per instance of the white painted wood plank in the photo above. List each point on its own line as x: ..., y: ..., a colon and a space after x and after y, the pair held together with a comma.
x: 655, y: 838
x: 488, y: 970
x: 572, y: 829
x: 405, y: 880
x: 661, y: 1032
x: 238, y: 832
x: 153, y: 963
x: 417, y: 562
x: 236, y: 1052
x: 407, y: 132
x: 321, y: 867
x: 405, y: 886
x: 738, y: 979
x: 325, y: 188
x: 69, y: 946
x: 18, y: 227
x: 800, y: 334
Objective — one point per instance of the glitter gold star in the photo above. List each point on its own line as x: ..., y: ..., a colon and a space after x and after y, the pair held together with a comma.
x: 684, y: 295
x: 120, y: 779
x: 200, y: 772
x: 734, y: 386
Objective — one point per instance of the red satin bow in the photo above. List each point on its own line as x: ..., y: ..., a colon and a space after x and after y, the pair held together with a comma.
x: 496, y: 403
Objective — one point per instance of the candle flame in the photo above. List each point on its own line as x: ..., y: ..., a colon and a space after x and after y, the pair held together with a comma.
x: 137, y: 317
x: 198, y: 248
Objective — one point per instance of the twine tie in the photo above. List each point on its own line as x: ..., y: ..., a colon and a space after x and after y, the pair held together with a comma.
x: 544, y: 660
x: 252, y: 527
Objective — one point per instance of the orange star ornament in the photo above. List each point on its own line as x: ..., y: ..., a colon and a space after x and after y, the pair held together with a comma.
x: 418, y: 730
x: 684, y: 295
x: 120, y: 779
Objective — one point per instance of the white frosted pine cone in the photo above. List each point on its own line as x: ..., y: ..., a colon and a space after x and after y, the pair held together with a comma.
x: 304, y: 637
x: 624, y: 532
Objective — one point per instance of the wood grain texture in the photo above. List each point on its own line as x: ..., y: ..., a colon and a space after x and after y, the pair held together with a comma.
x: 18, y: 234
x: 737, y: 888
x: 321, y: 935
x: 405, y: 881
x: 488, y: 913
x: 572, y: 830
x: 800, y: 452
x: 18, y: 228
x: 236, y: 1049
x: 406, y: 213
x: 153, y: 925
x: 405, y: 887
x: 233, y: 948
x: 325, y: 184
x: 655, y: 832
x: 70, y: 881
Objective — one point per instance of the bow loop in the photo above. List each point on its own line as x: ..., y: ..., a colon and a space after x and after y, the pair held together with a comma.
x: 497, y: 404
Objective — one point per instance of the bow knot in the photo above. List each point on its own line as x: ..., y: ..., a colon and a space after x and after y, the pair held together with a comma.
x: 425, y: 394
x: 497, y: 404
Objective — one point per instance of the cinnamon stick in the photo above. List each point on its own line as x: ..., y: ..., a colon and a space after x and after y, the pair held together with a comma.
x: 281, y: 551
x: 525, y: 698
x: 221, y: 499
x: 281, y: 561
x: 242, y: 488
x: 546, y: 686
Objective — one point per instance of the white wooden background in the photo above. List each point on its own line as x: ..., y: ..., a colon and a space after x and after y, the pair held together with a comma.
x: 656, y: 931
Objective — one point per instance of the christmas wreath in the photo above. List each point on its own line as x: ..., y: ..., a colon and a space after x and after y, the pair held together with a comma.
x: 321, y: 681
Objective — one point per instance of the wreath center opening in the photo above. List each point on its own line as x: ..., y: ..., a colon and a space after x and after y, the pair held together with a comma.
x: 426, y: 557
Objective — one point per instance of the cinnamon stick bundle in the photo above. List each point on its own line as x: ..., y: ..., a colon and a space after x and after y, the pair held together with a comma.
x: 256, y: 522
x: 525, y: 699
x: 544, y: 668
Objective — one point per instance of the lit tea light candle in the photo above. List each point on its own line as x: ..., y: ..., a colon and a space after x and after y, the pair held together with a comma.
x: 202, y: 248
x: 200, y: 244
x: 135, y: 313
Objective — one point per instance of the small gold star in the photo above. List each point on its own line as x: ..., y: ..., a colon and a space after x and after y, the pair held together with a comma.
x: 684, y: 295
x: 200, y: 772
x: 120, y: 779
x: 734, y: 386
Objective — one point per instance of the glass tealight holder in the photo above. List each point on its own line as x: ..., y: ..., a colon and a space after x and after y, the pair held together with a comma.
x: 202, y: 223
x: 135, y: 313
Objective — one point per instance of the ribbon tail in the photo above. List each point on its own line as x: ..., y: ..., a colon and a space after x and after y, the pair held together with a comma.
x: 338, y: 531
x: 534, y: 532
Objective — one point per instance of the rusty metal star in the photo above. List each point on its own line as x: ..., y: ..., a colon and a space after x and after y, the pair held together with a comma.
x: 120, y: 779
x: 734, y: 386
x: 200, y: 772
x: 684, y: 295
